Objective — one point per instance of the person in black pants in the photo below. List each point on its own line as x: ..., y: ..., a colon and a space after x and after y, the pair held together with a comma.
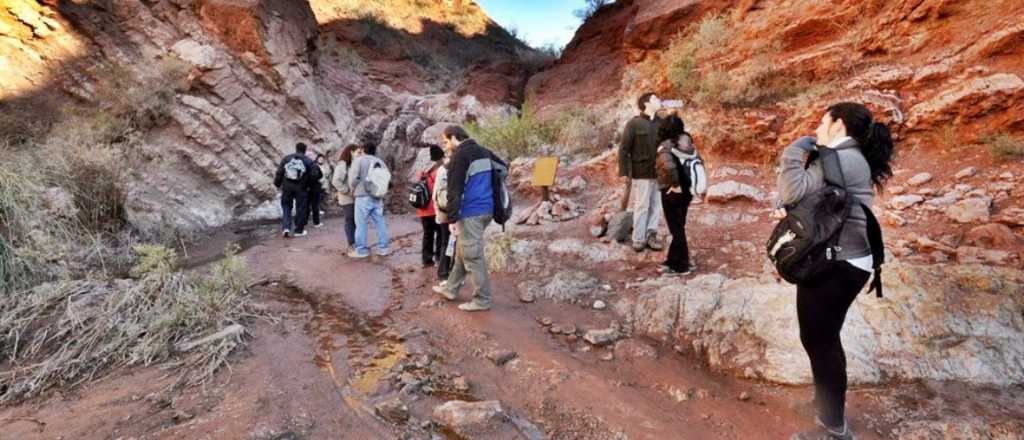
x: 293, y: 177
x: 316, y: 192
x: 864, y: 151
x: 432, y: 246
x: 675, y: 148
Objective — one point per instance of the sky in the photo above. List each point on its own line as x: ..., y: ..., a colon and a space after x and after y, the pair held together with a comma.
x: 539, y: 22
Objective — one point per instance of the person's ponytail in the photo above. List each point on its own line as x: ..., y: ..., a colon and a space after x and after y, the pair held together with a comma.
x: 877, y: 149
x: 874, y: 138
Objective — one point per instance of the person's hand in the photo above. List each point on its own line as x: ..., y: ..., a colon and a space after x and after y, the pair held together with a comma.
x: 676, y: 189
x: 454, y: 228
x: 779, y: 214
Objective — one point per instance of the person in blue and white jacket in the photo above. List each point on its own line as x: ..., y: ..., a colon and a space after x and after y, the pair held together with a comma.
x: 470, y: 209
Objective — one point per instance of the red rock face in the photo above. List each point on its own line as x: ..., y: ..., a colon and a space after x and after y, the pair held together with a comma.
x: 920, y: 65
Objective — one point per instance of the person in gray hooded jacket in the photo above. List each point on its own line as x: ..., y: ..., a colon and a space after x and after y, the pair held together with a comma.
x: 864, y: 148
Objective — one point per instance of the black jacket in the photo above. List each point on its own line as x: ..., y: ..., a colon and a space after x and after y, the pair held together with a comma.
x: 639, y: 149
x: 304, y: 184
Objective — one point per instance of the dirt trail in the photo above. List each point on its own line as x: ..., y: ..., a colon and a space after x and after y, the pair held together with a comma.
x: 346, y: 330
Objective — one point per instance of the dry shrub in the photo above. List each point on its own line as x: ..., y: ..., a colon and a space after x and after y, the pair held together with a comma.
x: 67, y: 333
x: 1005, y: 148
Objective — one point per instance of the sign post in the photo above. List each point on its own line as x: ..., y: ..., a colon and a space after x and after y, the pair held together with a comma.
x: 544, y: 171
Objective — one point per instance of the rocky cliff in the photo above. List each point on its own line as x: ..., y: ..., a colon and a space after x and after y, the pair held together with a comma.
x: 233, y: 85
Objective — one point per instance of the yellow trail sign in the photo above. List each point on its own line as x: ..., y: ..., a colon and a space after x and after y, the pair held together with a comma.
x: 544, y: 171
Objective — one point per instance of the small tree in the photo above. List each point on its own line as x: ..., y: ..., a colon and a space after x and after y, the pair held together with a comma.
x: 591, y: 8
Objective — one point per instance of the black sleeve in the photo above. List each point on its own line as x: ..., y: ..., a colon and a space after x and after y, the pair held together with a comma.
x: 457, y: 171
x: 626, y: 149
x: 279, y: 175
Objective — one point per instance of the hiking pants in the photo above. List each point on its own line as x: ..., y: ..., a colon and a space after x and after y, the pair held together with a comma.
x: 349, y: 211
x: 444, y: 262
x: 821, y: 309
x: 294, y: 201
x: 675, y: 206
x: 646, y: 208
x: 470, y: 259
x: 315, y: 198
x: 370, y: 209
x: 431, y: 246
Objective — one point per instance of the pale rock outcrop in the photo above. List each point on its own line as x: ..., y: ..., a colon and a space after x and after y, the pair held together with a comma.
x: 960, y: 323
x: 975, y: 209
x: 730, y: 190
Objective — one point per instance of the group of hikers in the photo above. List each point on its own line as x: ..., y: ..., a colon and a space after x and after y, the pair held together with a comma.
x: 460, y: 198
x: 827, y: 242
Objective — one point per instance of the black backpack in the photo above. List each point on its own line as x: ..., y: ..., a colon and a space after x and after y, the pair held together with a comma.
x: 502, y: 195
x: 805, y: 243
x: 419, y: 194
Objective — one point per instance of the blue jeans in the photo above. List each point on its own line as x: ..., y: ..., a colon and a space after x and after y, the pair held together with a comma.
x: 300, y: 201
x: 370, y: 209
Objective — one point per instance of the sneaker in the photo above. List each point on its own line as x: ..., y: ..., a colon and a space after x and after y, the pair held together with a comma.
x: 821, y: 432
x: 474, y: 306
x: 442, y: 289
x: 318, y: 225
x: 654, y: 242
x: 383, y: 252
x: 301, y: 234
x: 639, y: 247
x: 355, y: 254
x: 286, y: 234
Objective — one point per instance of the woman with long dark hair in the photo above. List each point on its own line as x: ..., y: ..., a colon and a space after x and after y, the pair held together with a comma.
x: 864, y: 147
x: 340, y: 181
x: 675, y: 151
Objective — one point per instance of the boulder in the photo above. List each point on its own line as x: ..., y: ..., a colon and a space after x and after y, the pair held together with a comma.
x: 620, y: 226
x: 972, y: 210
x: 566, y: 286
x: 966, y: 173
x: 976, y: 255
x: 602, y: 337
x: 900, y: 203
x: 466, y: 418
x: 920, y: 179
x: 392, y: 410
x: 992, y: 235
x: 730, y: 190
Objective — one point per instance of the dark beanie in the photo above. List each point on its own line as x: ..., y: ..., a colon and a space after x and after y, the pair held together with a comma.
x: 436, y: 153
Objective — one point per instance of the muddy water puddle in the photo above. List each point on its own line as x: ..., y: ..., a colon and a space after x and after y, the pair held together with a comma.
x: 342, y: 337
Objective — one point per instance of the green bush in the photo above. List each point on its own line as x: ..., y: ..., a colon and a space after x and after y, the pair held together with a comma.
x: 1005, y: 148
x: 514, y: 135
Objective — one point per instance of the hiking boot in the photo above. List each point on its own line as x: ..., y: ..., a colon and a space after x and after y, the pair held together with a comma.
x: 355, y: 254
x: 821, y: 432
x: 639, y: 247
x: 654, y: 242
x: 428, y: 263
x: 286, y: 234
x: 301, y: 234
x: 442, y: 289
x: 474, y: 306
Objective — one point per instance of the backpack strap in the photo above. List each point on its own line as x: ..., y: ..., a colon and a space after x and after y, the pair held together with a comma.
x: 877, y: 250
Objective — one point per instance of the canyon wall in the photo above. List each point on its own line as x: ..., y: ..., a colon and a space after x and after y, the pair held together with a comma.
x: 230, y: 86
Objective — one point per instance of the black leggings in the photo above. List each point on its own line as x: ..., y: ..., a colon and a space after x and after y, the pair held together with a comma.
x: 821, y: 309
x: 431, y: 239
x: 675, y: 206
